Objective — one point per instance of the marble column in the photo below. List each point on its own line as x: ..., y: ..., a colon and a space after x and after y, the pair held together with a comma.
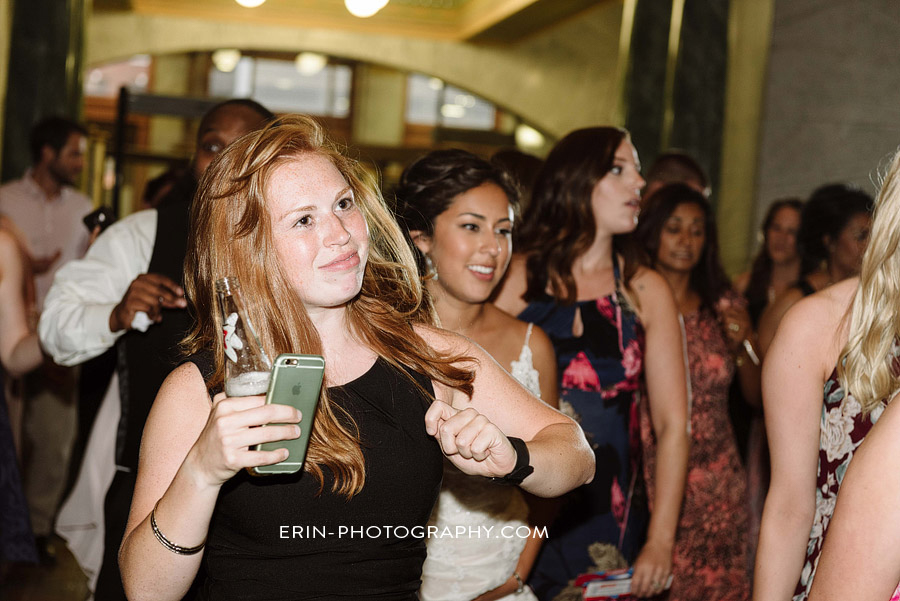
x: 678, y: 66
x: 46, y: 54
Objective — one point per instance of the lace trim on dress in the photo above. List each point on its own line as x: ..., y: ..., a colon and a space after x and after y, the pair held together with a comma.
x: 523, y: 369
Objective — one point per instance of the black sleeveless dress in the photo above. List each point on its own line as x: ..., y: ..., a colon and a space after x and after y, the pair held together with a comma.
x: 274, y: 538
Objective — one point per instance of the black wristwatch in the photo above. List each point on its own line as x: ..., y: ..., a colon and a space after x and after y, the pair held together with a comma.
x: 522, y: 468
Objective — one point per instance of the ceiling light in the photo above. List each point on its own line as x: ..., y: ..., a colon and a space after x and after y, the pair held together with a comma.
x: 310, y: 63
x: 528, y: 137
x: 364, y: 8
x: 250, y: 3
x: 226, y: 60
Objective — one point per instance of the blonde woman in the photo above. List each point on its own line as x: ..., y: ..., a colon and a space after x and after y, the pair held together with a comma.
x: 842, y: 339
x: 327, y: 271
x: 860, y: 558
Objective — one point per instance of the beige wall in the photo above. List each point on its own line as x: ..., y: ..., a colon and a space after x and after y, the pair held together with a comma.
x: 558, y: 80
x: 378, y: 106
x: 831, y: 111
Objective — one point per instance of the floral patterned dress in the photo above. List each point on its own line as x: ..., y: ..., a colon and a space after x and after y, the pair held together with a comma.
x: 843, y: 428
x: 600, y: 374
x: 710, y: 555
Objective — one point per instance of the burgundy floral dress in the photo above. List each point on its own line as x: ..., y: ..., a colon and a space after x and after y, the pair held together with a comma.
x: 600, y: 373
x: 842, y: 430
x: 710, y: 555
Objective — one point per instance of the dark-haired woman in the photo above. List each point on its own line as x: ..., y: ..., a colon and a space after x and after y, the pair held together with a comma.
x: 459, y: 211
x: 774, y: 270
x: 834, y: 231
x: 678, y: 233
x: 777, y: 265
x: 611, y: 322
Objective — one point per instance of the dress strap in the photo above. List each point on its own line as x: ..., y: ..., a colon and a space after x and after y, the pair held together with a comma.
x: 528, y: 334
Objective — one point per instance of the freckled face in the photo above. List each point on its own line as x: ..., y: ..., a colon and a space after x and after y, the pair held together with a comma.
x: 616, y: 198
x: 321, y: 238
x: 471, y: 244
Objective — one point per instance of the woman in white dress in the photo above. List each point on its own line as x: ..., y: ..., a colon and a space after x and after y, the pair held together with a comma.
x: 459, y: 212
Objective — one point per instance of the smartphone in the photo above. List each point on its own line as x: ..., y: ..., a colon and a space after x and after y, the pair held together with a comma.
x: 296, y: 381
x: 103, y: 217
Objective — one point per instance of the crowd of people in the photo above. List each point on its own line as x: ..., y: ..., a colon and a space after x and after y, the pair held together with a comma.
x: 549, y: 348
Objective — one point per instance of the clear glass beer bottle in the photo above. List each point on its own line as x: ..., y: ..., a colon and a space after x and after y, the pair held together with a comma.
x: 247, y: 369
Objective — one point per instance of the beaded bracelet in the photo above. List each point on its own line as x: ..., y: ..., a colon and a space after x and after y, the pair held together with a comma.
x: 177, y: 549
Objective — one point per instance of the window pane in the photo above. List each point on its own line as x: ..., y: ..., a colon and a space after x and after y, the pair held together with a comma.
x: 282, y: 88
x: 464, y: 109
x: 342, y: 76
x: 422, y: 97
x: 106, y: 80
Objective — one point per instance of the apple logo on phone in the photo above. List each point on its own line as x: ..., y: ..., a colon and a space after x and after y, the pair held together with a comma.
x: 295, y: 390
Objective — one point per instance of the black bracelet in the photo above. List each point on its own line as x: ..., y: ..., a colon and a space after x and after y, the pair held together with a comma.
x: 177, y: 549
x: 523, y: 467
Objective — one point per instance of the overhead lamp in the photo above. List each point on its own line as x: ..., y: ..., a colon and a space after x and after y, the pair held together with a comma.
x: 528, y: 137
x: 226, y: 59
x: 310, y: 63
x: 364, y: 8
x: 249, y: 3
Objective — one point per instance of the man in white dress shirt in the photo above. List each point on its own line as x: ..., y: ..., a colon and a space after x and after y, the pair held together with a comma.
x: 126, y: 291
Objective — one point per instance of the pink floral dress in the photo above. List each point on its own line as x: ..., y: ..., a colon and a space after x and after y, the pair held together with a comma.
x: 600, y: 373
x: 710, y: 555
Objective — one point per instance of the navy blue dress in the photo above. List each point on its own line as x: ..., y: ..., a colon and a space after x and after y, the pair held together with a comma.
x: 600, y: 374
x: 16, y: 538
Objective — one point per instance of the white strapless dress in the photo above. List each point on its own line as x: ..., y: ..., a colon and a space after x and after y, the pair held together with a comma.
x: 480, y: 526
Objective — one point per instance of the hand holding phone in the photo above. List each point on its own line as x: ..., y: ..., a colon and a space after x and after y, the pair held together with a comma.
x: 102, y: 217
x: 296, y: 381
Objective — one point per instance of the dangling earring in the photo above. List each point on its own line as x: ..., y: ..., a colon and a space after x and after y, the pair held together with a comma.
x: 432, y: 272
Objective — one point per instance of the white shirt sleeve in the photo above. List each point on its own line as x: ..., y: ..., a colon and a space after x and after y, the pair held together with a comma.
x: 74, y: 324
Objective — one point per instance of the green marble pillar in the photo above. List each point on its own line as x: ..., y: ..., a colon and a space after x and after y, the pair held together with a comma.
x: 675, y: 87
x: 46, y: 62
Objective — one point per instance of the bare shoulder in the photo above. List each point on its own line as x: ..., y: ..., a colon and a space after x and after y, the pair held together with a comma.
x: 542, y: 347
x: 183, y: 389
x: 647, y: 280
x: 508, y: 295
x: 653, y: 294
x: 816, y: 322
x: 513, y: 327
x: 444, y: 341
x: 824, y: 309
x: 8, y: 244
